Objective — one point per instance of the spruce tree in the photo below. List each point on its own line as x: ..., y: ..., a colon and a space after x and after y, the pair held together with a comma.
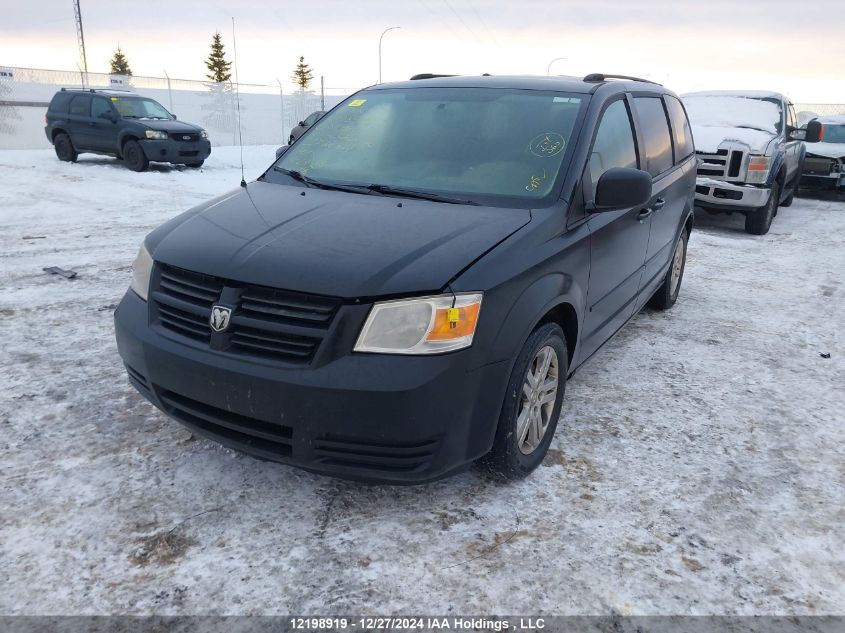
x: 118, y: 64
x: 302, y: 76
x: 219, y: 70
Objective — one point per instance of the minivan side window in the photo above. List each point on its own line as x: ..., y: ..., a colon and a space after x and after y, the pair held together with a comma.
x: 80, y: 104
x: 98, y: 106
x: 655, y: 129
x: 680, y: 127
x: 614, y: 145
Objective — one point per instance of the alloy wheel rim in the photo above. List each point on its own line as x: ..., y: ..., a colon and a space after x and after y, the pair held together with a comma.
x: 537, y: 400
x: 678, y: 263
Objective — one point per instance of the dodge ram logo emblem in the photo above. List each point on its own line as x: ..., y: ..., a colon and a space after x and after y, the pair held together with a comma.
x: 220, y: 318
x: 186, y: 138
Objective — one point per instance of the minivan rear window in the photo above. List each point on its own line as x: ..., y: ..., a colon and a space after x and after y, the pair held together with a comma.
x: 655, y: 129
x: 680, y: 126
x: 475, y: 142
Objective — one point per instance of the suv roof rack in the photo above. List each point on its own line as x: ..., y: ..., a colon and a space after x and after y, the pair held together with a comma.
x: 429, y: 76
x: 598, y: 77
x: 95, y: 90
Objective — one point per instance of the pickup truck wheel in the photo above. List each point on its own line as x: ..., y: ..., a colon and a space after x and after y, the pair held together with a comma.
x: 667, y: 294
x: 134, y: 157
x: 758, y: 221
x: 532, y: 405
x: 64, y: 148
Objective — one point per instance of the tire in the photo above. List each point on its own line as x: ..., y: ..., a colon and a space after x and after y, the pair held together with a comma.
x: 667, y: 294
x: 134, y: 157
x: 65, y: 150
x: 195, y: 165
x: 513, y: 457
x: 759, y: 221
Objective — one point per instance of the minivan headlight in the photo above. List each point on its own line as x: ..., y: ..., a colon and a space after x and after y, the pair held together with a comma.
x: 156, y: 135
x: 428, y: 325
x: 142, y: 268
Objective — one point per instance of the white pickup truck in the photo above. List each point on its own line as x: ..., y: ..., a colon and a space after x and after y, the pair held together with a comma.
x: 750, y: 152
x: 824, y: 167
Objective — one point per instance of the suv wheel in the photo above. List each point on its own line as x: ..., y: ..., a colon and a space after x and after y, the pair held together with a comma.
x: 64, y: 148
x: 759, y: 221
x: 532, y: 405
x: 667, y: 294
x: 134, y: 157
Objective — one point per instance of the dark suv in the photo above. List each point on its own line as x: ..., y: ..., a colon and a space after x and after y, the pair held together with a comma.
x: 408, y: 287
x: 122, y: 124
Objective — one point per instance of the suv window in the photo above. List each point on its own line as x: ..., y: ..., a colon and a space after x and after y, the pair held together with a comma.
x: 80, y: 105
x: 791, y: 119
x: 614, y: 145
x: 60, y: 102
x: 680, y: 126
x: 98, y: 106
x: 655, y: 128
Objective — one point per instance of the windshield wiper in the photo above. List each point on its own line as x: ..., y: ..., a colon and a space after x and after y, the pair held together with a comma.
x: 422, y: 195
x: 319, y: 184
x: 751, y: 127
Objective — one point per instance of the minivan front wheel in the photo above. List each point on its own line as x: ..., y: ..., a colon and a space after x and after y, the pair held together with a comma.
x: 532, y: 405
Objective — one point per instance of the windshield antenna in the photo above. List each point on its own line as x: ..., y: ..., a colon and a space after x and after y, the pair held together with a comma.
x: 238, y: 102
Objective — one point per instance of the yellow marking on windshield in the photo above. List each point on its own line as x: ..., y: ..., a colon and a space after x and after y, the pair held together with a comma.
x: 357, y: 102
x: 534, y: 182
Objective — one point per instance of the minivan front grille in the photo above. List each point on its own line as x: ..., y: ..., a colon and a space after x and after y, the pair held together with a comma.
x: 265, y: 323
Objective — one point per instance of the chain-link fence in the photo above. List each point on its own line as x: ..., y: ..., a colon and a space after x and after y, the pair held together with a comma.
x: 267, y: 113
x: 808, y: 111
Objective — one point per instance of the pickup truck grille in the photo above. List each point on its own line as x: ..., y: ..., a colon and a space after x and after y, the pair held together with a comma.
x: 268, y: 323
x: 723, y: 165
x: 818, y: 165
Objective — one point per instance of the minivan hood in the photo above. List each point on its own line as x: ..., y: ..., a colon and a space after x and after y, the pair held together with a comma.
x: 332, y: 243
x: 173, y: 127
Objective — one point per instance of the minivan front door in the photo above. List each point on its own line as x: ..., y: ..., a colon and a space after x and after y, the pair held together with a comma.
x: 618, y: 239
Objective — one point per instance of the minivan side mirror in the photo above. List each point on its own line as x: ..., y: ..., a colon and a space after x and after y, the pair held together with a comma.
x: 622, y: 187
x: 814, y: 132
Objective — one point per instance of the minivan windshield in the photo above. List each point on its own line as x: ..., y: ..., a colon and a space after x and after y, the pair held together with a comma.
x: 460, y: 142
x: 135, y: 108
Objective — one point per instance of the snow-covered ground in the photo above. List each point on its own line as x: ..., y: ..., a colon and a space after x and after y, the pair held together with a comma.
x: 699, y: 467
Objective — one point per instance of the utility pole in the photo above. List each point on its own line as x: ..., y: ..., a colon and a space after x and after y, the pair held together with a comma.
x: 322, y: 95
x: 80, y: 36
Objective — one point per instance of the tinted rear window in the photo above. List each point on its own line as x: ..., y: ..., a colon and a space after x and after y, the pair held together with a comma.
x: 655, y: 129
x: 680, y: 127
x: 59, y: 102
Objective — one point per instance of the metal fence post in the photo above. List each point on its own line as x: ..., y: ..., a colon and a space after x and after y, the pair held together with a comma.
x: 322, y: 95
x: 169, y: 91
x: 281, y: 108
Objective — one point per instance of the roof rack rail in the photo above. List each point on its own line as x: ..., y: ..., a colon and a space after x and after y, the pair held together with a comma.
x: 429, y: 76
x: 598, y: 77
x: 97, y: 90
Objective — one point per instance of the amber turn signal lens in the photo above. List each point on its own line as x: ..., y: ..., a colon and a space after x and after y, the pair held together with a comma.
x: 461, y: 324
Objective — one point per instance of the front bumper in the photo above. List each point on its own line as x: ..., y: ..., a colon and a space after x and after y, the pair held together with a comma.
x: 719, y: 194
x: 370, y: 417
x: 174, y: 151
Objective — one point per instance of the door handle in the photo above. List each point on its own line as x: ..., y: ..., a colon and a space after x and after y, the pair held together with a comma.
x: 658, y: 204
x: 642, y: 215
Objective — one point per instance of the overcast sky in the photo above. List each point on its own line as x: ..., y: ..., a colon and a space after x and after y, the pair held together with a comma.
x: 794, y: 47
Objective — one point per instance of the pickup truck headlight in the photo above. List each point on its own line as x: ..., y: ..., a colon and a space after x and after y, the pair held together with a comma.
x: 142, y: 268
x: 156, y: 135
x: 203, y: 134
x: 758, y: 169
x: 429, y: 325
